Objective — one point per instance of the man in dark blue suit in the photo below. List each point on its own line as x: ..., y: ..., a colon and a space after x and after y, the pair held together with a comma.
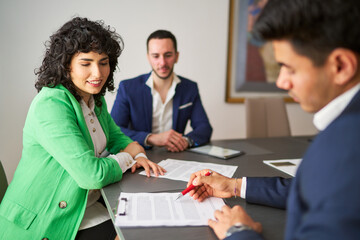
x: 317, y: 45
x: 154, y: 109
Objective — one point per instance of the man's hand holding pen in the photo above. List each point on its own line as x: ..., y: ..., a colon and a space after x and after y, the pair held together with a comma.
x: 215, y: 185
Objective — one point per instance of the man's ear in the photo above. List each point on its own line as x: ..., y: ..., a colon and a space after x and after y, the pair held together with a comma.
x: 344, y: 65
x: 177, y: 57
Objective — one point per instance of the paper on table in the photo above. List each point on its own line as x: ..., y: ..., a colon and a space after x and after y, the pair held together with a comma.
x: 161, y: 209
x: 182, y: 169
x: 288, y: 166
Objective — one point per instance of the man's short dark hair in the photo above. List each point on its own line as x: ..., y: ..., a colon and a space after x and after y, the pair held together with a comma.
x: 161, y: 34
x: 313, y: 27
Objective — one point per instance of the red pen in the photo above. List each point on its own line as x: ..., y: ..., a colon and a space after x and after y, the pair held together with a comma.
x: 189, y: 188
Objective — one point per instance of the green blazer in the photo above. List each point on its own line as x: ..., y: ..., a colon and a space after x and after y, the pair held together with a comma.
x: 48, y: 194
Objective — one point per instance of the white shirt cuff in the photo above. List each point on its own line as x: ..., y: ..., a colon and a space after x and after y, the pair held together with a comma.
x: 243, y: 188
x: 145, y: 141
x: 124, y: 160
x: 140, y: 155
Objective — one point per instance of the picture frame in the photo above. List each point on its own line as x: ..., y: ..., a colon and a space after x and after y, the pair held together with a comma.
x: 251, y: 67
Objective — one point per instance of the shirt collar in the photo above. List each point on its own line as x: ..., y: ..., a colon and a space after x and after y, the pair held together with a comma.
x: 331, y: 111
x: 150, y: 82
x: 88, y: 109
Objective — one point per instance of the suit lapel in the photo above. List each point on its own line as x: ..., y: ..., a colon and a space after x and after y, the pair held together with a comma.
x: 148, y: 108
x: 176, y: 104
x: 80, y: 117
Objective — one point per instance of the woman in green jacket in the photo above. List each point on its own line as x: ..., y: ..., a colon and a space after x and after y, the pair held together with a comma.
x: 71, y: 145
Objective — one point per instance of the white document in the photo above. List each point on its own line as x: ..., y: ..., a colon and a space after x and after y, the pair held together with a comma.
x: 288, y: 166
x: 161, y: 209
x: 182, y: 169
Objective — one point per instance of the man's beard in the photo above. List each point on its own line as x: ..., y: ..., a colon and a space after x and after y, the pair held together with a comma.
x: 164, y: 78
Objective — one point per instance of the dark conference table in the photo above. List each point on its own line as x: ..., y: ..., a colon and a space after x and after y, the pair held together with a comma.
x: 250, y: 164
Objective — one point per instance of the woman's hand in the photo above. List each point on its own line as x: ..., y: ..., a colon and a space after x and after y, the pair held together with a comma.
x: 148, y: 165
x: 215, y: 185
x: 134, y: 149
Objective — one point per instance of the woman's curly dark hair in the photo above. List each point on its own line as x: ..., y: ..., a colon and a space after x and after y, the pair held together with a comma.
x: 78, y: 35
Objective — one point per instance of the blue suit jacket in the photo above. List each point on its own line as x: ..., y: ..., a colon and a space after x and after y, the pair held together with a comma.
x: 132, y: 110
x: 324, y: 198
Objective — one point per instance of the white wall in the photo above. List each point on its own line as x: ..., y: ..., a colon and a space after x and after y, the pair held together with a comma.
x: 201, y: 27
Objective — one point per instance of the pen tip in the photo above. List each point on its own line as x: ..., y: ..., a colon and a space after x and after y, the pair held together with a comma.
x: 178, y: 196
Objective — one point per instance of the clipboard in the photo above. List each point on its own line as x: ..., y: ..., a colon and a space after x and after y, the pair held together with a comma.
x: 216, y: 151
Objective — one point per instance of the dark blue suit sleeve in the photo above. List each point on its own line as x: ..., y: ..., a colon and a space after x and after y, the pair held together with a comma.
x: 121, y: 114
x: 245, y: 235
x: 269, y: 191
x: 201, y: 128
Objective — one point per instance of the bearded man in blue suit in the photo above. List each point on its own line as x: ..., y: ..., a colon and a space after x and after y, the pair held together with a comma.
x: 154, y: 109
x: 317, y: 45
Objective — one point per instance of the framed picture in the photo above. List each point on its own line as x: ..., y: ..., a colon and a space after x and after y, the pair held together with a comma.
x: 251, y: 68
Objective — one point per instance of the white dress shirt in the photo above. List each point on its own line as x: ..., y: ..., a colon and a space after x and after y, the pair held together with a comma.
x: 95, y: 212
x: 162, y: 112
x: 330, y: 112
x: 324, y: 117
